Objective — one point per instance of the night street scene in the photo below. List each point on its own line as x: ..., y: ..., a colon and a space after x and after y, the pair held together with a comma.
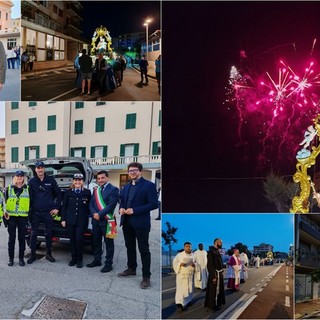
x: 114, y: 34
x: 236, y: 253
x: 242, y: 113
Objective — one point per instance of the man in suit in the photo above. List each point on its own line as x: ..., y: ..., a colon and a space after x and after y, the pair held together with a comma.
x: 137, y: 199
x: 102, y: 204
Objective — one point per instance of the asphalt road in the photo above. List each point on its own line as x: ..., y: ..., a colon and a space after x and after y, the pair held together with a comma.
x: 11, y: 88
x: 107, y: 296
x: 58, y: 85
x: 263, y: 294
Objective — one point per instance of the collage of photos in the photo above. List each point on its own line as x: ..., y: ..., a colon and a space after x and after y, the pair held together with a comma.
x: 241, y: 171
x: 80, y: 159
x: 84, y: 233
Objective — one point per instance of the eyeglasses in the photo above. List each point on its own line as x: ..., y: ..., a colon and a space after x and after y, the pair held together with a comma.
x: 133, y: 170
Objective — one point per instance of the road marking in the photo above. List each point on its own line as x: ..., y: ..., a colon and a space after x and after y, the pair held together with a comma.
x: 63, y: 94
x: 260, y: 290
x: 287, y: 288
x: 287, y: 302
x: 169, y: 289
x: 234, y: 311
x: 287, y: 281
x: 258, y: 284
x: 252, y: 289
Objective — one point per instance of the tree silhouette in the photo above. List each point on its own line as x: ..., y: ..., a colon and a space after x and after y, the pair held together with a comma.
x: 169, y: 239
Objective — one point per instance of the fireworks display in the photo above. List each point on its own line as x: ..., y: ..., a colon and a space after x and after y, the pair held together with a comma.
x: 274, y: 108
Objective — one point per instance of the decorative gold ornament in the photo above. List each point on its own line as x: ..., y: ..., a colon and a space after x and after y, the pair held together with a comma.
x: 306, y: 159
x: 101, y: 42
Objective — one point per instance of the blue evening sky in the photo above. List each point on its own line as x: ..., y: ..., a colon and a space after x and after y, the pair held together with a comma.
x: 250, y: 229
x: 15, y: 11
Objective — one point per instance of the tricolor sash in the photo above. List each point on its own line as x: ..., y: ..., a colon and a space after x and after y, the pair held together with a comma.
x: 111, y: 230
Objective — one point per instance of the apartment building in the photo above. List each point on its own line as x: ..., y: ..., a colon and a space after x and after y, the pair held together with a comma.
x: 9, y: 28
x: 52, y: 31
x: 128, y: 40
x: 262, y: 249
x: 110, y: 134
x: 307, y: 257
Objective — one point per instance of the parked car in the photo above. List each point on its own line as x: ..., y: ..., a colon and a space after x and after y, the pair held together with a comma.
x: 63, y: 170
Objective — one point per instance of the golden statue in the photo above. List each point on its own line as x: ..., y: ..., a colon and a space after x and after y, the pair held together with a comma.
x: 101, y: 42
x: 306, y: 159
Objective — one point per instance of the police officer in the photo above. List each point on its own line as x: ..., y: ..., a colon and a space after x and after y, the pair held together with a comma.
x: 46, y: 200
x: 17, y: 199
x: 74, y: 216
x: 1, y: 206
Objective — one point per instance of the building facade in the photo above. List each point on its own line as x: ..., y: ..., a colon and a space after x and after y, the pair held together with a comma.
x: 262, y: 249
x: 154, y: 46
x: 307, y: 256
x: 51, y: 30
x: 110, y: 134
x: 128, y: 40
x: 9, y: 28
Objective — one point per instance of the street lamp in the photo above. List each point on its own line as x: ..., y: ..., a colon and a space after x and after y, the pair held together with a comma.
x: 146, y: 23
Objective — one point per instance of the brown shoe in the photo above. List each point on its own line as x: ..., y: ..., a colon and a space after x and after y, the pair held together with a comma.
x: 145, y: 283
x: 127, y: 272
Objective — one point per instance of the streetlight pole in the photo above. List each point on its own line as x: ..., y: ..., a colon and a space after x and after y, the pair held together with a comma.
x: 146, y: 23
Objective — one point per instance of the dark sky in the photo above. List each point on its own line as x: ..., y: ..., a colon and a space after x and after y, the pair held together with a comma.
x: 120, y: 17
x: 201, y: 150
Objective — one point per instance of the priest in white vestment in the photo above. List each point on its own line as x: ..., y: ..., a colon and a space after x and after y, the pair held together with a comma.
x: 184, y: 266
x: 244, y: 267
x: 201, y: 272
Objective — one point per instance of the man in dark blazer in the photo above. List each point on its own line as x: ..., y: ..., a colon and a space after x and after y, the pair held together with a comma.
x: 137, y: 199
x: 101, y: 209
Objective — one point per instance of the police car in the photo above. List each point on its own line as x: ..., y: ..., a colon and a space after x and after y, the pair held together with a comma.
x: 63, y: 170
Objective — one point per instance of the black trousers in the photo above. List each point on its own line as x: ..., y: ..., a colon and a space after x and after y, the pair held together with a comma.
x: 131, y: 236
x: 37, y: 217
x: 99, y: 233
x: 13, y: 224
x: 76, y: 234
x: 144, y: 72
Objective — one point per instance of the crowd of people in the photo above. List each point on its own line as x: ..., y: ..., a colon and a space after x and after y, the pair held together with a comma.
x: 205, y: 270
x: 42, y: 201
x: 108, y: 76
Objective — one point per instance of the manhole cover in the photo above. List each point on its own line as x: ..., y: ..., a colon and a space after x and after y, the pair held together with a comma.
x: 57, y: 308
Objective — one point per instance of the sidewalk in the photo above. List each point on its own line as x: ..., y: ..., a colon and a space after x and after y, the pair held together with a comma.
x: 308, y: 309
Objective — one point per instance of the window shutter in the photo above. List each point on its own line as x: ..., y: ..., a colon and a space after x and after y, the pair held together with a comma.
x: 26, y: 153
x: 93, y: 152
x: 122, y: 150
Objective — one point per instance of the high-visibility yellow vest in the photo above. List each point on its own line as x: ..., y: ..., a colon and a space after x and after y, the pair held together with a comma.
x: 18, y: 206
x: 1, y: 206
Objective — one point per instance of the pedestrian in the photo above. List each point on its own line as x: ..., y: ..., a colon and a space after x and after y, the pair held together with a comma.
x: 143, y: 63
x: 3, y: 65
x: 46, y: 200
x: 233, y: 272
x: 123, y: 62
x: 244, y: 266
x: 257, y: 261
x: 17, y: 199
x: 11, y: 58
x: 101, y: 67
x: 1, y: 206
x: 117, y: 71
x: 159, y: 204
x: 137, y: 199
x: 85, y: 63
x: 183, y: 266
x: 215, y: 296
x: 17, y: 52
x: 32, y: 59
x: 201, y: 272
x: 102, y: 205
x: 78, y: 81
x: 75, y: 216
x: 158, y: 70
x: 24, y: 61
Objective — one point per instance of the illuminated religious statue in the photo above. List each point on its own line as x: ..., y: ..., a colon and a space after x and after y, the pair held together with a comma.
x: 101, y: 42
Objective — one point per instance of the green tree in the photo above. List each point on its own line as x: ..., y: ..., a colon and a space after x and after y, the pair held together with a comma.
x: 279, y: 191
x: 241, y: 247
x: 169, y: 239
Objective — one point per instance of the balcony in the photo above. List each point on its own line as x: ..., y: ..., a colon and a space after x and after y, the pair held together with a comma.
x: 72, y: 9
x: 45, y: 22
x: 119, y: 162
x: 309, y: 227
x: 307, y: 258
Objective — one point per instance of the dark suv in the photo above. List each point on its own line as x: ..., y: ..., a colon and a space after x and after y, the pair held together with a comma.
x: 62, y: 169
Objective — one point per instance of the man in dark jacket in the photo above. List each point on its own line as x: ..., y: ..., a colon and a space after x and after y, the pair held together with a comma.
x: 143, y: 63
x: 102, y: 205
x: 46, y: 200
x: 137, y: 199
